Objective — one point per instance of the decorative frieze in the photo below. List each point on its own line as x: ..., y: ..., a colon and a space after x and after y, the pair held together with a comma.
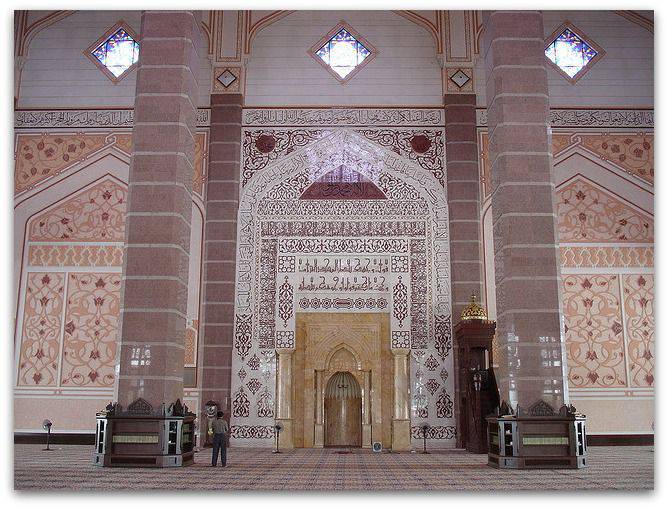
x: 69, y: 118
x: 343, y: 117
x: 638, y: 118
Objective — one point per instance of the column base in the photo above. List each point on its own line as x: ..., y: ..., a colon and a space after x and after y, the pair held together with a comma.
x: 366, y: 435
x: 401, y: 435
x: 143, y: 437
x: 538, y: 441
x: 285, y: 437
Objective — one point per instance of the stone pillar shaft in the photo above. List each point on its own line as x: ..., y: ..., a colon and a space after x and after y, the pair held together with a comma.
x: 284, y: 385
x: 463, y: 185
x: 401, y: 380
x: 529, y: 332
x: 222, y: 203
x: 155, y: 281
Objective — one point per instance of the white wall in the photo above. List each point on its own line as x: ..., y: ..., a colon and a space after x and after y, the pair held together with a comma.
x: 58, y: 75
x: 405, y: 72
x: 624, y: 77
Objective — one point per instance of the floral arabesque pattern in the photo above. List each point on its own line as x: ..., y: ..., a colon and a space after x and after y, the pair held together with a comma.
x: 588, y: 214
x: 639, y: 309
x: 91, y: 327
x: 40, y: 339
x: 96, y: 214
x: 593, y: 326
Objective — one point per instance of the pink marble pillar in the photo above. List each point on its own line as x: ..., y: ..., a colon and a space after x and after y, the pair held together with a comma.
x: 155, y: 270
x: 222, y: 203
x: 463, y: 186
x: 529, y: 330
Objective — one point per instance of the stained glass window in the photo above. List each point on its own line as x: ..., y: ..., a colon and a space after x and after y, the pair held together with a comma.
x: 118, y: 53
x: 342, y: 53
x: 570, y: 52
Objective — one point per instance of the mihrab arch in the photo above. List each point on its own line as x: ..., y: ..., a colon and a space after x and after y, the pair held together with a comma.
x: 387, y: 256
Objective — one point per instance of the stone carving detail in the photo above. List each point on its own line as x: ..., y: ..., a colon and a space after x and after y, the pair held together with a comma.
x: 40, y: 338
x: 265, y: 405
x: 432, y: 385
x: 401, y: 340
x: 285, y: 301
x: 639, y: 311
x: 254, y: 362
x: 444, y: 405
x: 587, y: 214
x: 400, y: 302
x: 254, y: 385
x: 434, y: 432
x: 240, y: 404
x: 419, y: 318
x: 91, y: 324
x: 431, y: 156
x: 443, y: 336
x: 93, y: 215
x: 593, y: 331
x: 285, y: 339
x: 242, y: 335
x: 252, y: 431
x: 431, y: 363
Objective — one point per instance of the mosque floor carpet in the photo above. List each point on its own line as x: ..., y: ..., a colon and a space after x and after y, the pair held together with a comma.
x: 70, y: 468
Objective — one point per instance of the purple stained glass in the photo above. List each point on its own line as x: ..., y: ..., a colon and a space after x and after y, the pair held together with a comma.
x: 343, y: 53
x: 570, y: 52
x: 118, y: 53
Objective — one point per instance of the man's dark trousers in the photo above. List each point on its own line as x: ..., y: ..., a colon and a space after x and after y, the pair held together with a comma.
x: 219, y: 445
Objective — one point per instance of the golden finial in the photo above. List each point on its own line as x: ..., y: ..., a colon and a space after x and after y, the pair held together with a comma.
x: 473, y: 311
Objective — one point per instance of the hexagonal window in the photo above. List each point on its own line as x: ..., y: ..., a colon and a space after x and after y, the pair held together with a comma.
x: 116, y: 52
x: 343, y: 52
x: 571, y: 53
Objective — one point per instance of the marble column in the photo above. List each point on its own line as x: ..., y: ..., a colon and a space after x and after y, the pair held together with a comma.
x: 463, y: 185
x: 529, y: 330
x: 155, y: 266
x: 401, y: 423
x: 366, y: 411
x: 222, y: 203
x: 284, y: 396
x: 319, y: 430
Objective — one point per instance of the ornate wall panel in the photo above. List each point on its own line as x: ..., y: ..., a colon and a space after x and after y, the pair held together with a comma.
x: 639, y: 310
x: 40, y: 157
x: 41, y: 329
x: 576, y: 256
x: 594, y: 331
x: 94, y: 215
x: 90, y: 330
x: 587, y: 213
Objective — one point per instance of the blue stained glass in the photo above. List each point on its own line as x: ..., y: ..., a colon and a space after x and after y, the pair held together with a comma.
x: 343, y: 53
x: 570, y: 52
x: 118, y: 53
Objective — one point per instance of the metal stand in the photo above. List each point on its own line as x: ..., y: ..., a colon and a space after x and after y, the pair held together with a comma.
x: 278, y: 431
x: 425, y: 428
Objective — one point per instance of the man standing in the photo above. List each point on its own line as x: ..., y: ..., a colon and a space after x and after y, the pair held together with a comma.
x: 220, y: 430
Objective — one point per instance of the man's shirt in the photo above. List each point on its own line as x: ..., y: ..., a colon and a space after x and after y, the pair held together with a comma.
x: 219, y: 426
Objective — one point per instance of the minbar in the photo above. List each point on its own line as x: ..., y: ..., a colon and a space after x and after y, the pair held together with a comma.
x: 142, y: 436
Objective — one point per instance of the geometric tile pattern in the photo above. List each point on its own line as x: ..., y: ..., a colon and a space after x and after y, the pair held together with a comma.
x: 71, y: 468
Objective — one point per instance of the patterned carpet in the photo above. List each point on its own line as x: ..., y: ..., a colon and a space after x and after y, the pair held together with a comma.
x: 70, y: 468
